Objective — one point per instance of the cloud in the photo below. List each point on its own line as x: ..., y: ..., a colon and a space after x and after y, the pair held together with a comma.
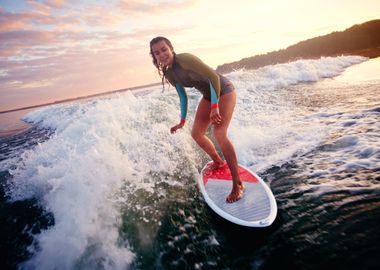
x: 55, y: 3
x: 38, y: 18
x: 57, y: 15
x: 39, y: 8
x: 76, y: 73
x: 61, y: 47
x: 14, y: 41
x: 59, y: 23
x: 35, y: 84
x: 134, y: 7
x: 10, y: 21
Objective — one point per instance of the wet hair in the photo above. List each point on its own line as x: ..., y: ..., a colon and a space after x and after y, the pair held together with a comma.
x: 161, y: 71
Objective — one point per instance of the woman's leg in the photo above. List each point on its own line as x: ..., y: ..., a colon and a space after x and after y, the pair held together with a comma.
x: 202, y: 121
x: 226, y: 108
x: 198, y: 132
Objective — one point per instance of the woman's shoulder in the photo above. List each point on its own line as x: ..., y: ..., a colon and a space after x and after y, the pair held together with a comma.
x: 188, y: 60
x: 184, y: 55
x: 187, y: 57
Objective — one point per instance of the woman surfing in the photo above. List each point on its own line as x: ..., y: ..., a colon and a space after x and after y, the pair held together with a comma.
x: 216, y: 106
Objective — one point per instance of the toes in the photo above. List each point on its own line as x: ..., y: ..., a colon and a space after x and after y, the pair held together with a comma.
x: 229, y: 199
x: 235, y: 196
x: 214, y: 166
x: 232, y: 199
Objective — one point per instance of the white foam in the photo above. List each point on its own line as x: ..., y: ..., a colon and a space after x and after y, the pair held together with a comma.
x: 78, y: 173
x: 267, y: 129
x: 101, y: 145
x: 282, y: 75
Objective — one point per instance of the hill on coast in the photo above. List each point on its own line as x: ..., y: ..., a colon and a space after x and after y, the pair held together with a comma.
x: 362, y: 39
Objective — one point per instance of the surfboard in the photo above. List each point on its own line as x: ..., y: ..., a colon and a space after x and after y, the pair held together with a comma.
x: 257, y: 207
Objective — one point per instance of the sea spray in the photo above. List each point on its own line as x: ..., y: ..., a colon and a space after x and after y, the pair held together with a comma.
x: 97, y: 148
x: 263, y: 130
x: 103, y: 153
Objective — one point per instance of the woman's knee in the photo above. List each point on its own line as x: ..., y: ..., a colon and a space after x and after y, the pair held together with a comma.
x: 220, y: 134
x: 196, y: 134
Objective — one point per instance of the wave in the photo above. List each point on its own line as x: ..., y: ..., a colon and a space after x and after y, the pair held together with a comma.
x: 102, y: 146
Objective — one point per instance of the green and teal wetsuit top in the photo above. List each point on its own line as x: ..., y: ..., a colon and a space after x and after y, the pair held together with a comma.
x: 189, y: 71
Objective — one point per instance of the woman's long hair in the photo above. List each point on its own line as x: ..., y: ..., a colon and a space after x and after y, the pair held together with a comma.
x: 161, y: 71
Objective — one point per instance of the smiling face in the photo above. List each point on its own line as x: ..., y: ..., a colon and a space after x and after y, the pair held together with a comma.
x: 163, y: 53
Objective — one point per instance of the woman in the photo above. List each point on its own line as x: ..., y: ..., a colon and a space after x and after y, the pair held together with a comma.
x: 216, y: 107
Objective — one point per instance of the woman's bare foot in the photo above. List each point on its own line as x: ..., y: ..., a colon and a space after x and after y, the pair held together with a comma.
x: 236, y: 193
x: 215, y: 165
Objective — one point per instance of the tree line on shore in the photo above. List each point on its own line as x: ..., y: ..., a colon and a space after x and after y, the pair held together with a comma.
x: 362, y: 39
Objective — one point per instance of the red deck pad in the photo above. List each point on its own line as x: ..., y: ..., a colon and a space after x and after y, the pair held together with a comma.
x: 223, y: 173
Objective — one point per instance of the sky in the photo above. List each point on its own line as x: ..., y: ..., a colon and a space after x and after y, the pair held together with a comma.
x: 56, y: 49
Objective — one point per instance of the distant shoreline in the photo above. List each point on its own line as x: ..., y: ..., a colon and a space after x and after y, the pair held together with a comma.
x: 79, y: 98
x: 361, y: 39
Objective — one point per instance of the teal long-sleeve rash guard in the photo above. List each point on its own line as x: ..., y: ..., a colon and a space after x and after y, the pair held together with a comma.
x: 189, y: 71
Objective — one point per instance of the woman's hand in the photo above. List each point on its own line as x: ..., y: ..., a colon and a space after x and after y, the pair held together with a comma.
x: 176, y: 127
x: 215, y: 117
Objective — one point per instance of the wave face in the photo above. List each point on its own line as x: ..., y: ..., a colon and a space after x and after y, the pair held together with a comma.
x: 121, y: 188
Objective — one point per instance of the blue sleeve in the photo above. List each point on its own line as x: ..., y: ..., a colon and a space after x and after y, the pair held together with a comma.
x: 214, y: 96
x: 182, y: 99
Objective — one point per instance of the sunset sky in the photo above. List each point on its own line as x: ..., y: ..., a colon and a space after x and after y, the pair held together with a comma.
x: 57, y: 49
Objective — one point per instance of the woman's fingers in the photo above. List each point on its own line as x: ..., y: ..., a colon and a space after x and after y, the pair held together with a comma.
x: 215, y: 116
x: 217, y: 119
x: 175, y: 128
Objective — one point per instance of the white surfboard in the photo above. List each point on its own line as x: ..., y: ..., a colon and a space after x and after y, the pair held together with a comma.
x: 257, y: 207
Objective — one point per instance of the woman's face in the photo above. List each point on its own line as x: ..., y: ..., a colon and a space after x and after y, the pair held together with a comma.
x: 163, y: 53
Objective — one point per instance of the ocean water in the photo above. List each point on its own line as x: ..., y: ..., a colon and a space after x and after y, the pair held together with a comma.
x: 102, y: 184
